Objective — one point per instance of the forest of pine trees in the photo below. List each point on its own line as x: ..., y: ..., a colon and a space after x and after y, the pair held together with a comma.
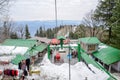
x: 49, y: 33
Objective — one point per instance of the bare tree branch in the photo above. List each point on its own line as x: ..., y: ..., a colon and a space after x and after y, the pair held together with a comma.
x: 3, y: 6
x: 92, y: 24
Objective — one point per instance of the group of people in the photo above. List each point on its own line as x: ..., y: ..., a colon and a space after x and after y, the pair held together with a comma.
x: 24, y: 65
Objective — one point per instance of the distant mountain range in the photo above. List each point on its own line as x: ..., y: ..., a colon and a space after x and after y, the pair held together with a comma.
x: 34, y: 25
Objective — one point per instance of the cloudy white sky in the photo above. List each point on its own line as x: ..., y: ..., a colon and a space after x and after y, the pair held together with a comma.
x: 44, y: 9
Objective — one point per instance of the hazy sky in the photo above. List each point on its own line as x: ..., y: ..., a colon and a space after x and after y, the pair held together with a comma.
x: 44, y: 9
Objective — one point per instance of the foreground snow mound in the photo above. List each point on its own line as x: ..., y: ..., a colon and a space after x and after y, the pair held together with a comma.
x: 79, y: 71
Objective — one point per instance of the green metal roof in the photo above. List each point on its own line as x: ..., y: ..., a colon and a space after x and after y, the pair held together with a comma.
x: 17, y: 59
x: 89, y: 60
x: 19, y: 42
x: 41, y: 47
x: 35, y: 49
x: 90, y: 40
x: 107, y: 54
x: 61, y: 37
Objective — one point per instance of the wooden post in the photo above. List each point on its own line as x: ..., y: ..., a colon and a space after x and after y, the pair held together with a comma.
x: 103, y: 65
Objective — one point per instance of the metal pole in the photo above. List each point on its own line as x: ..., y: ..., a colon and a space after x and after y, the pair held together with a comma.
x: 56, y: 12
x: 48, y: 49
x: 79, y: 54
x: 69, y: 59
x: 69, y: 64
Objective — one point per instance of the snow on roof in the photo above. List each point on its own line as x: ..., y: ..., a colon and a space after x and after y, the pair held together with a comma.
x: 20, y: 50
x: 12, y: 50
x: 6, y: 49
x: 6, y: 58
x: 42, y: 39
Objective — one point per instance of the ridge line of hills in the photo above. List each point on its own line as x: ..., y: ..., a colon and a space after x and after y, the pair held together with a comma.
x: 34, y: 25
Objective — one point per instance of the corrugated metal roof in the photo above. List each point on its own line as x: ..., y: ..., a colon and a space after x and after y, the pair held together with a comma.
x: 34, y: 50
x: 107, y: 54
x: 89, y: 60
x: 19, y: 42
x: 90, y: 40
x: 17, y: 59
x: 41, y: 47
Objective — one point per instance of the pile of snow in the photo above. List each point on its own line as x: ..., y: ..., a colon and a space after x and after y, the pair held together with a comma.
x: 8, y: 66
x: 20, y: 50
x: 117, y: 75
x: 12, y: 50
x: 79, y: 71
x: 7, y: 58
x: 6, y: 49
x: 49, y: 71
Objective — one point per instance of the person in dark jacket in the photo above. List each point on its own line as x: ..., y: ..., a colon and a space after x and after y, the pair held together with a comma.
x: 28, y: 64
x: 19, y: 65
x: 25, y: 73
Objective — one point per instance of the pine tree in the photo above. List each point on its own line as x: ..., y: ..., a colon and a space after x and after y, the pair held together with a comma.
x: 103, y: 13
x: 44, y: 32
x: 115, y: 40
x: 37, y: 33
x: 41, y: 32
x: 27, y: 33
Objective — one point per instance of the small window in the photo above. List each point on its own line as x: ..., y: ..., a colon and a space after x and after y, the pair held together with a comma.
x: 91, y: 47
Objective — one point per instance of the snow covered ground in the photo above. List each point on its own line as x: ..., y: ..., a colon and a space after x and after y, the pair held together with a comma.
x: 117, y: 75
x: 50, y: 71
x: 79, y: 71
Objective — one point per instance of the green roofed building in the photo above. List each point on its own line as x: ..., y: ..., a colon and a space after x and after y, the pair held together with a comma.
x: 20, y: 42
x: 89, y: 44
x: 105, y: 54
x: 33, y: 48
x: 108, y: 55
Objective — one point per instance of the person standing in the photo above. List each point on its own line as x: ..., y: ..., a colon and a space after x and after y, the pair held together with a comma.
x: 23, y: 65
x: 28, y: 64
